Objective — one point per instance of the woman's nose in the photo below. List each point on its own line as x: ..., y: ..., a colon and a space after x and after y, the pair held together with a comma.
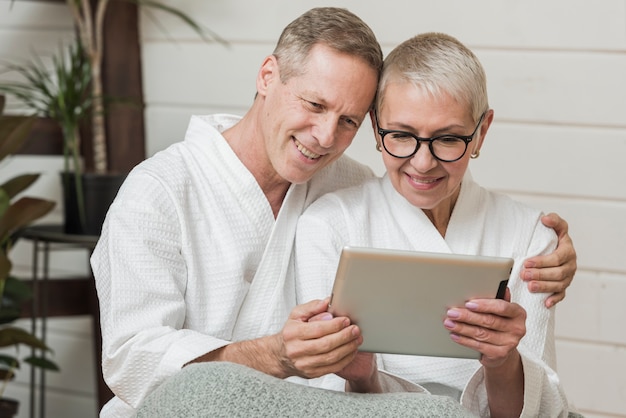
x: 423, y: 159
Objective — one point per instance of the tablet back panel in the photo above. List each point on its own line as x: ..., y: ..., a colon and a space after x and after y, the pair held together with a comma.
x: 399, y: 298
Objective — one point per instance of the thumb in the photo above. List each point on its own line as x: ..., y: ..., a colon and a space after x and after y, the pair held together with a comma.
x: 306, y: 311
x: 554, y: 221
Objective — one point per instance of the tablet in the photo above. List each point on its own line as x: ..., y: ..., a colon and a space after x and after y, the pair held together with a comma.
x: 399, y: 298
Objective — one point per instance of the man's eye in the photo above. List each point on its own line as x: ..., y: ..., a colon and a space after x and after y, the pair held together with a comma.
x: 351, y: 122
x: 314, y: 105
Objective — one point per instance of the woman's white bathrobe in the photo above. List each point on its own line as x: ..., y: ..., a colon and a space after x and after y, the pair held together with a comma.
x: 484, y: 223
x: 191, y: 258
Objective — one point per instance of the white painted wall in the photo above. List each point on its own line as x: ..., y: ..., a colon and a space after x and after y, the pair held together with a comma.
x: 557, y: 81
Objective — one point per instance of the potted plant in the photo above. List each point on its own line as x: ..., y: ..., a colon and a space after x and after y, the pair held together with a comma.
x: 59, y: 89
x: 84, y: 71
x: 90, y: 24
x: 15, y: 213
x: 89, y: 17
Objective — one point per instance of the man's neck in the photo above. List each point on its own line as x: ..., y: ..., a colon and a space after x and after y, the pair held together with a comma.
x: 246, y: 142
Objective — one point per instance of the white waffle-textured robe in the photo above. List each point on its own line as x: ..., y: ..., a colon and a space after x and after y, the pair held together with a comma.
x: 483, y: 223
x: 191, y: 258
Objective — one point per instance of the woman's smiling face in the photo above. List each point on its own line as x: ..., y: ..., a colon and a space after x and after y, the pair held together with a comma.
x: 424, y: 181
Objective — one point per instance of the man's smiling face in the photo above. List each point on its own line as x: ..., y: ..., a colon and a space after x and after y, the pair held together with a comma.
x: 313, y: 117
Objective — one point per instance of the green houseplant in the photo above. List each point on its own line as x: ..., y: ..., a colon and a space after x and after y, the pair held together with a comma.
x: 15, y: 213
x: 59, y: 89
x: 90, y: 22
x: 85, y: 80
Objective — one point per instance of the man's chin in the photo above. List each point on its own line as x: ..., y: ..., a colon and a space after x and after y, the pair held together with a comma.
x: 302, y: 176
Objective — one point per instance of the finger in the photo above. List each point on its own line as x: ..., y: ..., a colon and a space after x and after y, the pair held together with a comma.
x: 558, y: 266
x: 307, y: 310
x: 318, y: 337
x: 472, y: 336
x: 313, y: 330
x: 494, y: 349
x: 564, y: 253
x: 491, y: 343
x: 554, y: 221
x: 554, y: 299
x: 325, y: 355
x: 324, y: 316
x: 316, y: 366
x: 499, y: 307
x: 457, y: 318
x: 489, y: 328
x: 537, y: 286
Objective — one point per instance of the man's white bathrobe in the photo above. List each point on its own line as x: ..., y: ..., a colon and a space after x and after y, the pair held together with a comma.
x: 191, y: 258
x: 484, y: 223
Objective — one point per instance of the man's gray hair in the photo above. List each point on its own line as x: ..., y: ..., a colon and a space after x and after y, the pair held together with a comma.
x: 334, y: 27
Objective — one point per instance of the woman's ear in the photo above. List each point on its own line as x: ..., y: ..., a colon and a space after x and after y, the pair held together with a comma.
x: 267, y: 74
x: 375, y: 129
x: 484, y: 127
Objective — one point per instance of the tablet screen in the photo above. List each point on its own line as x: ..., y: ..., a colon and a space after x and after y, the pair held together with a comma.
x: 399, y: 298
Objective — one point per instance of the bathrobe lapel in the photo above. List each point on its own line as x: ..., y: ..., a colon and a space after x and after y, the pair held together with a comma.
x: 272, y: 294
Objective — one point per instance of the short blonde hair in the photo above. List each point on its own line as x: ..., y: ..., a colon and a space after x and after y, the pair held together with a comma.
x: 437, y: 62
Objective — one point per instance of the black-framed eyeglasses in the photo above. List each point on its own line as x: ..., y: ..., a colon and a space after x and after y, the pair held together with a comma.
x: 447, y: 148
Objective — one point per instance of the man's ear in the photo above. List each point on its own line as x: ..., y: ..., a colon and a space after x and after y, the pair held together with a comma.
x: 268, y: 73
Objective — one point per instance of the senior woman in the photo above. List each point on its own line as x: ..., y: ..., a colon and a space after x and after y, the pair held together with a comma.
x: 431, y: 118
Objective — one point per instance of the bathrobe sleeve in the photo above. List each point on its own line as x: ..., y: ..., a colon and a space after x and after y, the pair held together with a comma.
x: 543, y: 394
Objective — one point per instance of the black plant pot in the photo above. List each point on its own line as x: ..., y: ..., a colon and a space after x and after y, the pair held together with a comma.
x: 8, y: 407
x: 99, y: 190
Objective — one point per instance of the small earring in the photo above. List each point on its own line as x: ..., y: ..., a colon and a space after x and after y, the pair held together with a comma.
x: 475, y: 154
x: 378, y: 148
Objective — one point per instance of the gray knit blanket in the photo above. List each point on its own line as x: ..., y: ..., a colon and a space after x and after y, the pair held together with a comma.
x: 220, y: 389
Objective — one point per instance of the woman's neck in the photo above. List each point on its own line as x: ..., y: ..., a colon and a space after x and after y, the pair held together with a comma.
x: 440, y: 215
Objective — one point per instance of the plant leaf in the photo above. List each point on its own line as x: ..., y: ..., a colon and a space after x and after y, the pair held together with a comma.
x: 18, y: 184
x: 14, y: 294
x: 184, y: 17
x: 13, y: 335
x: 5, y: 265
x: 22, y: 213
x: 42, y: 362
x: 5, y: 201
x: 9, y: 361
x: 9, y: 314
x: 13, y: 133
x: 19, y: 291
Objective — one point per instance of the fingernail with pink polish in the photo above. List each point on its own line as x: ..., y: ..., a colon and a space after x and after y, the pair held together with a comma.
x: 471, y: 305
x: 453, y: 313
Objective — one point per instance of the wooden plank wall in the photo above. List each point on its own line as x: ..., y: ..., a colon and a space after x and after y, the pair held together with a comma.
x: 26, y: 29
x: 30, y: 29
x: 557, y: 81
